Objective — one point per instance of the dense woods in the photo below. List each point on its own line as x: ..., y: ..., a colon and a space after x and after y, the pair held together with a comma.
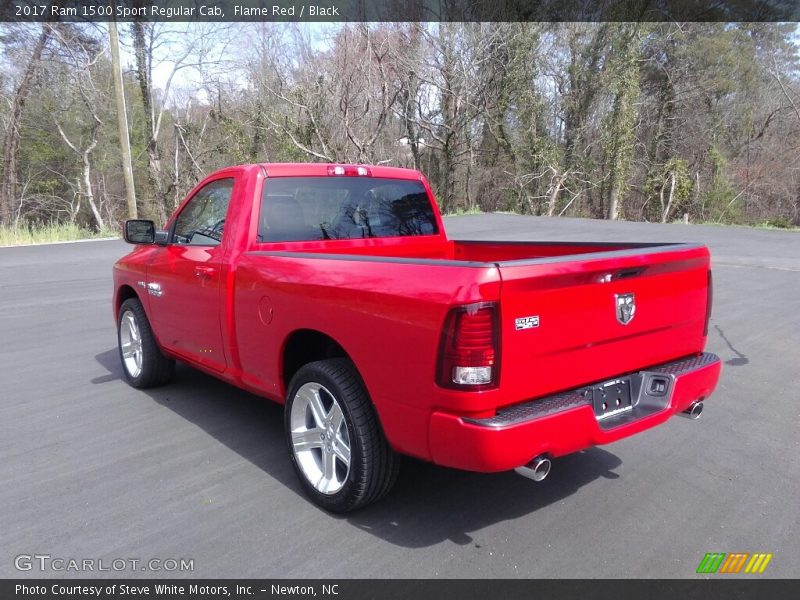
x: 638, y: 121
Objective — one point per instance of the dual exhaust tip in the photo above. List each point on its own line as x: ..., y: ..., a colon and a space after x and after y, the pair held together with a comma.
x: 537, y: 469
x: 694, y: 411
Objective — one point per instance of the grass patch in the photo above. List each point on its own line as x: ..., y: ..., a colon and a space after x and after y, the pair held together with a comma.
x: 762, y: 225
x: 43, y: 234
x: 459, y: 212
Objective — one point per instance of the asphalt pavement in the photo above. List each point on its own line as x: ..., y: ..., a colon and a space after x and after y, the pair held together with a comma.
x: 91, y: 468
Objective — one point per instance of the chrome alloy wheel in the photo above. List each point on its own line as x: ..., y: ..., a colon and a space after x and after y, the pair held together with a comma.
x: 130, y: 339
x: 320, y: 440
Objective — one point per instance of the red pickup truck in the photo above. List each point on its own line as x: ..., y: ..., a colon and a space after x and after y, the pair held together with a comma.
x: 334, y: 290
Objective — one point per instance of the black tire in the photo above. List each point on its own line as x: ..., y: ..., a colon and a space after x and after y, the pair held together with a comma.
x: 156, y: 368
x: 373, y: 464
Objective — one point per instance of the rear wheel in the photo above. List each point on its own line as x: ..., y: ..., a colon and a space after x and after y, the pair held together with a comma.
x: 142, y: 360
x: 335, y: 441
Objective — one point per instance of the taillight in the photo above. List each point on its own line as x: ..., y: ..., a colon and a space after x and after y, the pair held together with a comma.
x: 349, y: 171
x: 709, y: 300
x: 469, y: 353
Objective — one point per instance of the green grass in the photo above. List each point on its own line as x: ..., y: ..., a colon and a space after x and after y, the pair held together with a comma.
x: 763, y: 225
x: 779, y: 225
x: 459, y: 212
x: 44, y: 234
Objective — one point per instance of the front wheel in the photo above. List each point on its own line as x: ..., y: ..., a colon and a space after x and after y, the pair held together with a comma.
x: 335, y: 441
x: 142, y: 360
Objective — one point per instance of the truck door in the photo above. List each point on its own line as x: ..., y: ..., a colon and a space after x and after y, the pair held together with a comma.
x: 183, y: 279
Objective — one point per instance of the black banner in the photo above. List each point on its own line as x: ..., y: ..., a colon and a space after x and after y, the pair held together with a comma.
x: 733, y: 588
x: 401, y: 10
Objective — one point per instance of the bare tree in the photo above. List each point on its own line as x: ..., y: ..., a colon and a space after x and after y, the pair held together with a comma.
x: 82, y: 54
x: 8, y: 181
x: 606, y: 120
x: 196, y: 46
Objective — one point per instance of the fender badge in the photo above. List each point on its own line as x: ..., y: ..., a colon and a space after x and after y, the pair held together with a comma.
x: 526, y: 322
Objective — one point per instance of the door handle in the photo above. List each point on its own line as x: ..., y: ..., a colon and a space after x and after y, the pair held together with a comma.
x: 205, y: 271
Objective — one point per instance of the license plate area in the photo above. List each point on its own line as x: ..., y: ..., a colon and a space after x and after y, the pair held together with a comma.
x: 612, y: 398
x: 625, y: 399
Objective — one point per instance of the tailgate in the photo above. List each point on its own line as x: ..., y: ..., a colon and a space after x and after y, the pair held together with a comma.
x: 573, y: 320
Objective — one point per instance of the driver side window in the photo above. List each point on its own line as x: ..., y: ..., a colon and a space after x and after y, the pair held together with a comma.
x: 202, y: 221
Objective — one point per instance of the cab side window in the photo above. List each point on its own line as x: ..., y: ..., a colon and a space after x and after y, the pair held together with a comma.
x: 202, y: 220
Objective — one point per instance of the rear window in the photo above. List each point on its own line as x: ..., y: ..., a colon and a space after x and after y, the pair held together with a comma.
x: 342, y: 208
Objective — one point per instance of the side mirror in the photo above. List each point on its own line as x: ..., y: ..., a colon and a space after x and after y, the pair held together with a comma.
x: 139, y: 231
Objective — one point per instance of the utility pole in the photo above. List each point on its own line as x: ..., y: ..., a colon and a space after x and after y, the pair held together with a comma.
x: 122, y: 119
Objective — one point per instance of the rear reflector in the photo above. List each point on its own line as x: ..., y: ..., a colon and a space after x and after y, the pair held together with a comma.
x: 349, y: 171
x: 470, y: 348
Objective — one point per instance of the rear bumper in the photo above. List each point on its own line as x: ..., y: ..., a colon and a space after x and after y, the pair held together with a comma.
x: 566, y: 422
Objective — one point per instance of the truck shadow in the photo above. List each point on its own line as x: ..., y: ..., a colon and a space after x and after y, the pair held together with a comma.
x: 428, y: 505
x: 432, y: 504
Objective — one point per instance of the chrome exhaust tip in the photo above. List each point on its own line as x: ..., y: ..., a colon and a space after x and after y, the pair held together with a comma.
x: 694, y: 411
x: 537, y: 469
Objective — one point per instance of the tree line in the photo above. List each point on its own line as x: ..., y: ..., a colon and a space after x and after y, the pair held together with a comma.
x: 638, y: 121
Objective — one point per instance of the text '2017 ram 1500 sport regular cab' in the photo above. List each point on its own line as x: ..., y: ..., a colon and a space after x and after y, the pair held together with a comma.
x: 333, y: 289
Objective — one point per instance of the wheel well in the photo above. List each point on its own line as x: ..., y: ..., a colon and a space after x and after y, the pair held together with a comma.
x: 305, y: 346
x: 123, y: 294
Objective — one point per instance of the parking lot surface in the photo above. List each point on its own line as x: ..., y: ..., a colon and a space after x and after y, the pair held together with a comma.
x: 92, y: 468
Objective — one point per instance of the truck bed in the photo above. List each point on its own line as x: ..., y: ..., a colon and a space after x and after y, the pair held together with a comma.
x: 567, y: 289
x: 479, y: 252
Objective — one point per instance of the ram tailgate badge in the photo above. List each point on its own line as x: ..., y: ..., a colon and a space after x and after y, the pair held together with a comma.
x: 626, y: 307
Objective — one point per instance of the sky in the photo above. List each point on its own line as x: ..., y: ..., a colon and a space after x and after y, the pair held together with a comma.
x: 188, y: 77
